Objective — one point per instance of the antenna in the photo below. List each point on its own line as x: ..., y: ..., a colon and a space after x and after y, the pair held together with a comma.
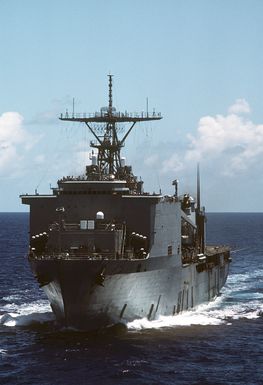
x: 147, y: 107
x: 198, y: 188
x: 73, y: 107
x: 110, y: 94
x: 200, y: 217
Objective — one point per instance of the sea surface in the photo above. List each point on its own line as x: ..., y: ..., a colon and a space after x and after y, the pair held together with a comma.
x: 217, y: 343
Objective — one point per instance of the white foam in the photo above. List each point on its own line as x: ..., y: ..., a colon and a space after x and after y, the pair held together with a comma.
x: 198, y: 316
x: 233, y: 278
x: 244, y: 277
x: 188, y: 318
x: 258, y: 273
x: 12, y: 297
x: 37, y: 312
x: 217, y: 312
x: 39, y: 306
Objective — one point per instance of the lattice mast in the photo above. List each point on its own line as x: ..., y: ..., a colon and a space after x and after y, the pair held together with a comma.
x: 106, y: 121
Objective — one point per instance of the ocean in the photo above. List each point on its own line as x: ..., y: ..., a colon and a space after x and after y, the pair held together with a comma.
x: 216, y: 343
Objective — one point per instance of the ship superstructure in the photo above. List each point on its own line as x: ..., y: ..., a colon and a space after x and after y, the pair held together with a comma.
x: 105, y: 251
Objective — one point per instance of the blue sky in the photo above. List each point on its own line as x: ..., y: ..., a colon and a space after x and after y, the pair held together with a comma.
x: 199, y: 62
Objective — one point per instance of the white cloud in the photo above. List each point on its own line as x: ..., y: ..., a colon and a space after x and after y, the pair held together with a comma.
x: 172, y: 164
x: 163, y: 164
x: 240, y: 106
x: 11, y: 128
x: 8, y: 155
x: 79, y: 161
x: 231, y: 144
x: 152, y: 160
x: 234, y: 140
x: 14, y: 140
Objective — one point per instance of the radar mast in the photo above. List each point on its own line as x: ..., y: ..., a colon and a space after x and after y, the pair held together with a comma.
x: 105, y: 127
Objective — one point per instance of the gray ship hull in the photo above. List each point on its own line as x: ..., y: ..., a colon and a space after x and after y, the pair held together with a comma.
x: 88, y: 294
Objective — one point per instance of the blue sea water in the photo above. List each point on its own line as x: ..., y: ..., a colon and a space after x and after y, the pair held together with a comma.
x: 217, y: 343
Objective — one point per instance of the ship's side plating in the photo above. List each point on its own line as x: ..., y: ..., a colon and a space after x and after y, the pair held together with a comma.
x: 106, y: 252
x: 80, y: 299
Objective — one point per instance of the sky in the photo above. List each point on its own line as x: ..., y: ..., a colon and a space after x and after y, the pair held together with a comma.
x: 199, y: 63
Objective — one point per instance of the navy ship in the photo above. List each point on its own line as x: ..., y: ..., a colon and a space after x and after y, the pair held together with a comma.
x: 106, y: 252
